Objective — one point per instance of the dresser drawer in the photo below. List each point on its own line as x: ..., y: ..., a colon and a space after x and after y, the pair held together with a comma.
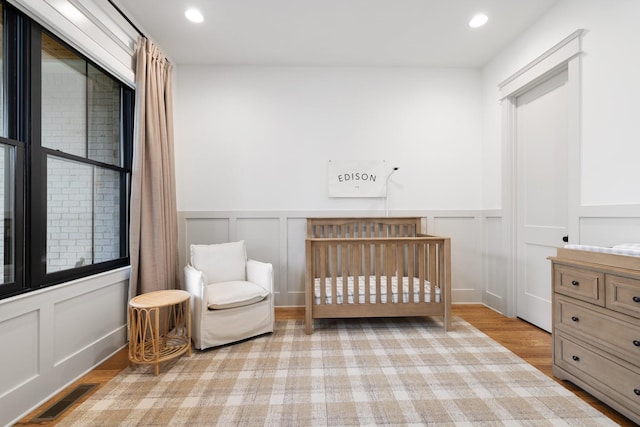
x: 623, y: 294
x: 617, y: 380
x: 583, y: 284
x: 617, y: 334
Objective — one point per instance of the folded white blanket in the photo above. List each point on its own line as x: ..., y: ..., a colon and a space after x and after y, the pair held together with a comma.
x: 629, y: 249
x: 384, y: 290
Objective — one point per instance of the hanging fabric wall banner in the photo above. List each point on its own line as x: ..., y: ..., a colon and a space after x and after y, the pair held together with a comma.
x: 357, y: 178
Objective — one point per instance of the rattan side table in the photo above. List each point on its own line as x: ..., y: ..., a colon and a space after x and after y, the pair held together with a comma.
x: 159, y: 327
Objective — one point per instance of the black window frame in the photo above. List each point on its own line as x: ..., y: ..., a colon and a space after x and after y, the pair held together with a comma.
x: 22, y: 71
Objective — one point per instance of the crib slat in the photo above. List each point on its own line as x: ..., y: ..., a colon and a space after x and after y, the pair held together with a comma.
x: 367, y: 273
x: 390, y: 262
x: 334, y: 272
x: 381, y: 267
x: 422, y: 256
x: 355, y: 255
x: 411, y: 253
x: 433, y: 271
x: 378, y: 269
x: 323, y: 273
x: 344, y: 260
x: 399, y: 274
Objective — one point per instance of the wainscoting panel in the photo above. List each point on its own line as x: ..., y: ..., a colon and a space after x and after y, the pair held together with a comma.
x: 20, y: 338
x: 53, y: 336
x: 202, y: 231
x: 495, y: 290
x: 466, y: 262
x: 263, y: 242
x: 609, y: 231
x: 80, y: 319
x: 296, y: 234
x: 262, y: 237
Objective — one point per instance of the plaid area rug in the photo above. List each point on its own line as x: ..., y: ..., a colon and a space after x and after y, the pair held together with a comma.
x: 349, y: 372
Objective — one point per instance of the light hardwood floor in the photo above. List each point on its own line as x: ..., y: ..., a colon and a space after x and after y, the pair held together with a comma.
x: 527, y: 341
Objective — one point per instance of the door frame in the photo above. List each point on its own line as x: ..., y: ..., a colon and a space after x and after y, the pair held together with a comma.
x: 567, y: 54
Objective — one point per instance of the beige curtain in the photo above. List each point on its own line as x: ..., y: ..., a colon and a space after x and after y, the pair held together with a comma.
x: 153, y: 229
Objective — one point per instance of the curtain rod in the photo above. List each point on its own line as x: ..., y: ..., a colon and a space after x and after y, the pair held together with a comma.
x: 126, y: 18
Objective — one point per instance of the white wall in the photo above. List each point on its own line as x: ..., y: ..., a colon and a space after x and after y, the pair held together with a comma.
x: 253, y: 144
x: 261, y: 137
x: 610, y: 92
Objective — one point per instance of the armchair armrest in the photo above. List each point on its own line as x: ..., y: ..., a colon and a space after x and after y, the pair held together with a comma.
x: 194, y: 283
x: 260, y: 273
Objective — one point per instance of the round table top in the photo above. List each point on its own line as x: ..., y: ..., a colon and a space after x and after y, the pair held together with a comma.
x: 159, y: 298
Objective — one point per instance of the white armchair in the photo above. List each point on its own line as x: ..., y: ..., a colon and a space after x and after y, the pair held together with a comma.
x: 231, y: 296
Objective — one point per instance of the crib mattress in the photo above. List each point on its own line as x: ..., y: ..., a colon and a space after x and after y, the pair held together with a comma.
x: 629, y: 249
x: 384, y: 290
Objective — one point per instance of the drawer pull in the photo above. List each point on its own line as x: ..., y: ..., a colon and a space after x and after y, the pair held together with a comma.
x: 575, y: 358
x: 575, y: 318
x: 636, y: 343
x: 636, y: 299
x: 575, y: 283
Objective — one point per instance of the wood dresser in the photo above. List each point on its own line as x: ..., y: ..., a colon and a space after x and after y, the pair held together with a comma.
x: 596, y: 326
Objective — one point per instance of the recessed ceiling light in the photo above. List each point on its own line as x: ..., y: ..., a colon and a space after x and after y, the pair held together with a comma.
x: 478, y: 21
x: 194, y: 15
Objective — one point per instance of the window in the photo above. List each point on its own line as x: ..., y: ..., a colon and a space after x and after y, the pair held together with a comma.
x: 11, y: 156
x: 2, y: 125
x: 7, y: 185
x: 68, y: 146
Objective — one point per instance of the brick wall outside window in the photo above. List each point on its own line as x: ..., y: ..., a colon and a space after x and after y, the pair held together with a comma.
x: 83, y: 201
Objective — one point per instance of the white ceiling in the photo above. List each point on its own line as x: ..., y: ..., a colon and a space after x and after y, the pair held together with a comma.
x: 431, y: 33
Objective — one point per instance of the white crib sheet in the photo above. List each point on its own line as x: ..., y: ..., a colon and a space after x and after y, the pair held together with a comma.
x: 629, y: 249
x: 372, y: 289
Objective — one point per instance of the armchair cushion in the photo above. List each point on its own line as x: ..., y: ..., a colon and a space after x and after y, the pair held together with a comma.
x: 221, y: 262
x: 234, y: 294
